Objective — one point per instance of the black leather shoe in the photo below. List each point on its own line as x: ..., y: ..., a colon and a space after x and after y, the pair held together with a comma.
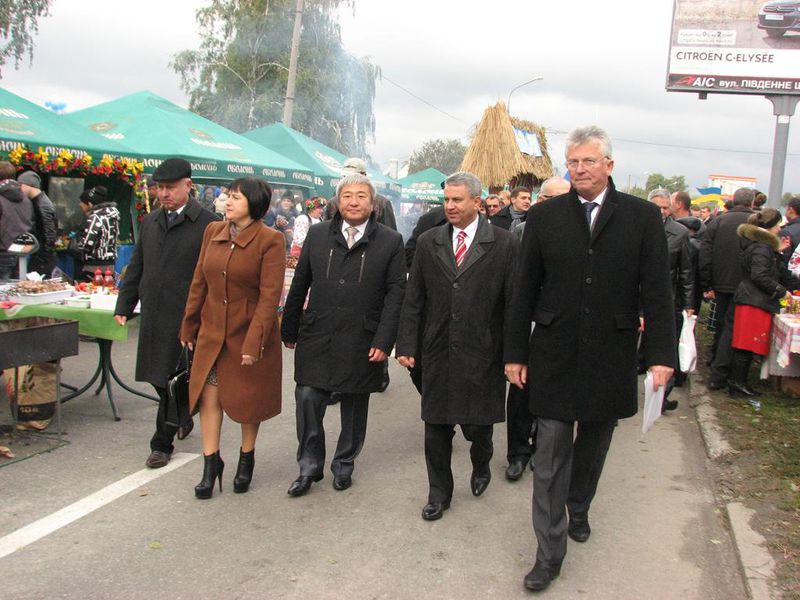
x: 342, y: 482
x: 434, y: 510
x: 540, y: 576
x: 479, y: 482
x: 157, y: 459
x: 185, y: 429
x: 668, y: 405
x: 515, y: 469
x: 741, y: 389
x: 716, y: 385
x: 302, y: 484
x: 579, y: 529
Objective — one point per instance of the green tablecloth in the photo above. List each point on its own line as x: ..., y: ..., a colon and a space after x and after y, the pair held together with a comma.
x: 91, y: 321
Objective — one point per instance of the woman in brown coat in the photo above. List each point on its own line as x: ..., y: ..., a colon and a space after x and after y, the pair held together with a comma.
x: 231, y: 324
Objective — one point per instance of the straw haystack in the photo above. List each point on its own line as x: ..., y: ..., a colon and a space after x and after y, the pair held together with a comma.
x: 494, y: 156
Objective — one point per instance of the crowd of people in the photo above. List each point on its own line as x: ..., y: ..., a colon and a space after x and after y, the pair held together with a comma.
x: 498, y: 307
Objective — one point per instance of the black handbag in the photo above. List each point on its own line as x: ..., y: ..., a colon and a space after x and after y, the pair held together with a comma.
x: 177, y: 409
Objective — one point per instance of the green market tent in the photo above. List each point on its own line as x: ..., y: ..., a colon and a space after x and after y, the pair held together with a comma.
x: 23, y: 122
x: 423, y: 186
x: 159, y: 129
x: 325, y: 162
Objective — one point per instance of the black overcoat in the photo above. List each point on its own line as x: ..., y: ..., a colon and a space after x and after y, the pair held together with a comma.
x: 354, y: 305
x: 585, y: 293
x: 159, y: 274
x: 464, y: 313
x: 766, y: 278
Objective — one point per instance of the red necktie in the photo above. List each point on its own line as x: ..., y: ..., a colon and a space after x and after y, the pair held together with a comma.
x: 461, y: 248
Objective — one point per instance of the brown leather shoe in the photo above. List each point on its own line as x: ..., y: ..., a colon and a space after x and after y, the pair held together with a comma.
x: 185, y: 429
x: 157, y: 459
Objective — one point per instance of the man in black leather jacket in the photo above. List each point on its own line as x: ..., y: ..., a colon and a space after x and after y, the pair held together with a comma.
x: 681, y: 272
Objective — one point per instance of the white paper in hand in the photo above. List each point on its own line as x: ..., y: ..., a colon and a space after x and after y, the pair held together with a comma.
x: 652, y: 403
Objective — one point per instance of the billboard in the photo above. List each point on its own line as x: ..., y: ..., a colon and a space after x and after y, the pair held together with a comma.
x: 735, y: 46
x: 728, y: 184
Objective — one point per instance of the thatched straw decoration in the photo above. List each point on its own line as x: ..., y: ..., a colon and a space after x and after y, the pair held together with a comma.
x: 493, y: 155
x: 540, y: 166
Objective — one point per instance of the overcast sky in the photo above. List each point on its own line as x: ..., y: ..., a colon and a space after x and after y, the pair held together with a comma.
x: 603, y: 63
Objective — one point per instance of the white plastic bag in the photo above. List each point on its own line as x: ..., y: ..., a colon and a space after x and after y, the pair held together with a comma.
x: 687, y: 350
x: 653, y: 399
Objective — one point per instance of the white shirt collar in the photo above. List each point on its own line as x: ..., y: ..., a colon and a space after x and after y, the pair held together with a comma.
x: 469, y: 229
x: 361, y: 228
x: 599, y: 200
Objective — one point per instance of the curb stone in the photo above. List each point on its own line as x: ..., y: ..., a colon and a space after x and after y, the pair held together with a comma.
x: 756, y: 561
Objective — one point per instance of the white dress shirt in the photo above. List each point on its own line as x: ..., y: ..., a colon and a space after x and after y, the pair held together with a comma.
x: 598, y: 201
x: 470, y: 231
x: 359, y: 234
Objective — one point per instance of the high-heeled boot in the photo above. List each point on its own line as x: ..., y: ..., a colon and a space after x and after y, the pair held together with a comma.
x: 212, y: 470
x: 244, y: 471
x: 740, y: 368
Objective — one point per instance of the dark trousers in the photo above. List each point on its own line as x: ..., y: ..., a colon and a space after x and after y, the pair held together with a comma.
x: 519, y: 422
x: 565, y: 479
x: 439, y: 451
x: 8, y: 266
x: 721, y: 361
x: 310, y: 411
x: 721, y: 302
x: 165, y: 434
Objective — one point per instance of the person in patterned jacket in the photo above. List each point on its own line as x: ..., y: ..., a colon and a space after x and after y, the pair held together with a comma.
x: 98, y: 240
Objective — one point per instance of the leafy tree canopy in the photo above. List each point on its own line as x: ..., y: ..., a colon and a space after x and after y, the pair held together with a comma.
x: 445, y: 155
x: 19, y: 22
x: 238, y: 76
x: 676, y: 183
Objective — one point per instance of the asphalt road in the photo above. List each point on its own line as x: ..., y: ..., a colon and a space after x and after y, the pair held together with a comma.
x: 656, y: 530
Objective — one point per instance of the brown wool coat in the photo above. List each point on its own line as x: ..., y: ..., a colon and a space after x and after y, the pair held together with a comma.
x: 231, y: 311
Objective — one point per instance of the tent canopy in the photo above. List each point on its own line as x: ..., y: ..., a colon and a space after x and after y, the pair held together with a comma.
x: 325, y: 162
x: 423, y: 186
x: 158, y: 129
x: 23, y: 122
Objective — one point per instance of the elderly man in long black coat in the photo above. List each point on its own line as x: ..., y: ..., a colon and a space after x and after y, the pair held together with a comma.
x: 356, y: 272
x: 160, y: 274
x: 590, y: 261
x: 460, y: 291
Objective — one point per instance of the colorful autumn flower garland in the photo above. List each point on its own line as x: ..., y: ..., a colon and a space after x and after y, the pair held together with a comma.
x: 65, y: 163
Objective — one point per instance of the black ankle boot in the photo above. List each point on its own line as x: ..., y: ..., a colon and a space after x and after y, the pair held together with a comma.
x: 740, y: 369
x: 244, y: 471
x: 212, y: 470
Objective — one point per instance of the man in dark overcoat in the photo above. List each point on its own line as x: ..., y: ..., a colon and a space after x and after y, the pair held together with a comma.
x: 159, y: 275
x: 591, y: 261
x: 433, y: 218
x: 355, y: 270
x: 720, y: 275
x: 460, y: 288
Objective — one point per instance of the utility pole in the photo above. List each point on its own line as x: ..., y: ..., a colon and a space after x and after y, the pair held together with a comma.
x: 783, y: 109
x: 288, y: 104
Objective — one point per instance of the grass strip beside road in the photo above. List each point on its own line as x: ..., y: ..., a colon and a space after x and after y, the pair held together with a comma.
x: 764, y: 474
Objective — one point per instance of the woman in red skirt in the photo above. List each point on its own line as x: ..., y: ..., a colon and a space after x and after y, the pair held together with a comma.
x: 758, y: 296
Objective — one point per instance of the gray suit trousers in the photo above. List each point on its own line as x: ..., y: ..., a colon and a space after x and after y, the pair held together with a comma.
x: 565, y: 478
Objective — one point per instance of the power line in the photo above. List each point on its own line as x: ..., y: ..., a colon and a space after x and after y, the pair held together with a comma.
x: 680, y: 146
x: 433, y: 106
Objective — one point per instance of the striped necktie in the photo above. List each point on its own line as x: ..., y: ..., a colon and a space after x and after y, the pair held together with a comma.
x: 461, y: 248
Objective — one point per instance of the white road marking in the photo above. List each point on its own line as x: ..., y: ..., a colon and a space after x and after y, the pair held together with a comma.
x: 47, y: 525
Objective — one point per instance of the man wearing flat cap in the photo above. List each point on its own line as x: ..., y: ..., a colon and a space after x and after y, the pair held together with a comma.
x: 159, y: 275
x: 45, y: 223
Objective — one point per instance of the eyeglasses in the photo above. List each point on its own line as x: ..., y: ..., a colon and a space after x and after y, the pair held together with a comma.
x: 588, y: 163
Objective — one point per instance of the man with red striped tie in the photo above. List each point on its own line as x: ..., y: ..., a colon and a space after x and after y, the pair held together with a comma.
x: 460, y: 287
